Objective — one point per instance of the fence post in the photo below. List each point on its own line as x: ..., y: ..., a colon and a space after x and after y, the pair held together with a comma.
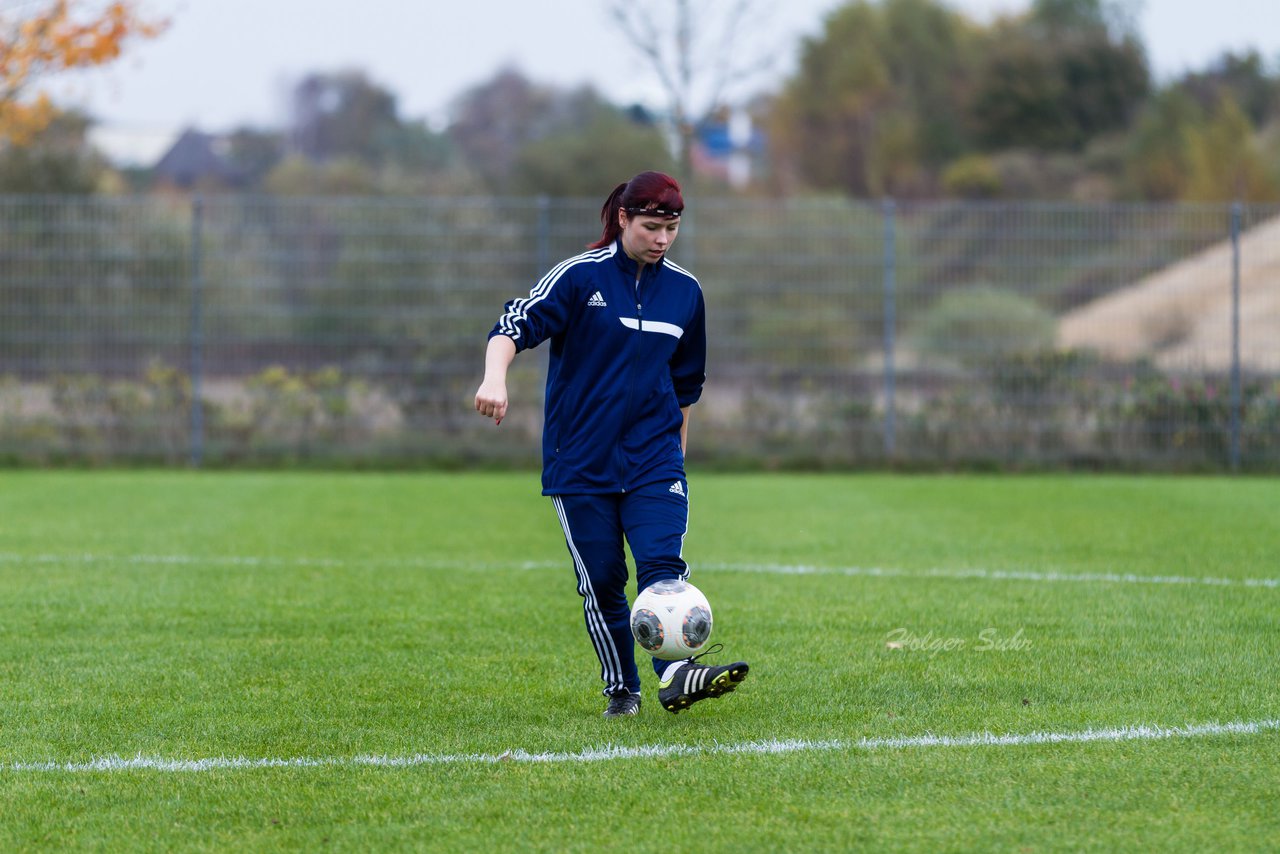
x: 542, y: 238
x: 889, y: 209
x: 1237, y: 211
x: 197, y: 332
x: 542, y: 265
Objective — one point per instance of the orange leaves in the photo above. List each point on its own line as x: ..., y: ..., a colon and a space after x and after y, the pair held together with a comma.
x: 59, y: 36
x: 20, y: 122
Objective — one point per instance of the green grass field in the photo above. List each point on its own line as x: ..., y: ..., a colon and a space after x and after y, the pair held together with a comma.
x: 212, y: 661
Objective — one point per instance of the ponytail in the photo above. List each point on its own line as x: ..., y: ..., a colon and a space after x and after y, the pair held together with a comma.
x: 609, y: 218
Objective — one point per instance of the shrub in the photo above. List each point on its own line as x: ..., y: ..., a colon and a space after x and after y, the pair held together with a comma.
x: 972, y: 177
x: 101, y: 420
x: 977, y: 325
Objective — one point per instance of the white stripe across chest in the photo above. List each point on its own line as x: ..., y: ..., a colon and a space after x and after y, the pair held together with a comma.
x: 653, y: 326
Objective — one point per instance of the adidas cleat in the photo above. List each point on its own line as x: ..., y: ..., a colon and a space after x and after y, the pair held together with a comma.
x: 694, y: 682
x: 623, y: 705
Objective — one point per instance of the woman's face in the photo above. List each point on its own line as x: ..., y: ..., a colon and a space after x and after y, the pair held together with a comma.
x: 646, y: 239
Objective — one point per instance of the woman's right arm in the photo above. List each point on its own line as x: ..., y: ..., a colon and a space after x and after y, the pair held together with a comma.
x: 491, y: 398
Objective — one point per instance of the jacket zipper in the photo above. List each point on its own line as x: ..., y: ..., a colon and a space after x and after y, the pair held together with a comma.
x: 639, y: 309
x: 632, y: 385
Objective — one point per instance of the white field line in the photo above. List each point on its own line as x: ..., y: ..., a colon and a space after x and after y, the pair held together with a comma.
x: 768, y: 568
x: 997, y: 575
x: 651, y: 751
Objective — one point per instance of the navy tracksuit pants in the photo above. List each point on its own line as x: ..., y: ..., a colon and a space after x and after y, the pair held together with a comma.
x: 653, y: 520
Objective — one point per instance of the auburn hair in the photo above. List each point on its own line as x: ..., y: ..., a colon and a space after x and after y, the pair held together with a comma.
x: 655, y: 191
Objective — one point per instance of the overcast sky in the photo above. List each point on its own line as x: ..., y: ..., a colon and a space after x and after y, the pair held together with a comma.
x: 227, y: 63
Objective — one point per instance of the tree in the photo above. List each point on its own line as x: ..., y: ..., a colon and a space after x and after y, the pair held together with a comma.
x: 415, y: 147
x: 495, y: 120
x: 1059, y: 77
x: 698, y: 53
x: 1225, y: 162
x: 587, y: 158
x: 58, y: 35
x: 1062, y: 18
x: 56, y: 159
x: 342, y: 114
x: 521, y: 137
x: 347, y: 136
x: 1157, y: 162
x: 876, y: 104
x: 1244, y: 78
x: 340, y: 176
x: 254, y: 153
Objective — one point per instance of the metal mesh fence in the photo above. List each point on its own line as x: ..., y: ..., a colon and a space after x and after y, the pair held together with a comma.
x: 252, y: 330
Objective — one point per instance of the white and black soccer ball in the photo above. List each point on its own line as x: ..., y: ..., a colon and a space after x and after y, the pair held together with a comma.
x: 671, y: 620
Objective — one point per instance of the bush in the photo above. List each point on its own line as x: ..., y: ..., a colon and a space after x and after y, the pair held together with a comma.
x: 975, y: 326
x: 290, y: 416
x: 972, y: 177
x: 100, y: 421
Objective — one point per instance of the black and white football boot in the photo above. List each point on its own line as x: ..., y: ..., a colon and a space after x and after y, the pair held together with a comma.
x: 692, y: 682
x: 622, y: 706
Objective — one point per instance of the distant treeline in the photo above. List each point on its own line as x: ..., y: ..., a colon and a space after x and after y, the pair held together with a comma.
x: 904, y: 98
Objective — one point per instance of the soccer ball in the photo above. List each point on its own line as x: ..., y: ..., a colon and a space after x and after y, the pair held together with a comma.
x: 671, y: 619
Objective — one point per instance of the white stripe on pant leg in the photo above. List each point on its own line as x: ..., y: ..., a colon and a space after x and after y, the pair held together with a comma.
x: 583, y: 586
x: 688, y: 504
x: 597, y: 627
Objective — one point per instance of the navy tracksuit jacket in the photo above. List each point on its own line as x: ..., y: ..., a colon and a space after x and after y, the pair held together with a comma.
x: 627, y: 354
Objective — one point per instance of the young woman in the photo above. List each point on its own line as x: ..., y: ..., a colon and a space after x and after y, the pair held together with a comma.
x: 628, y: 357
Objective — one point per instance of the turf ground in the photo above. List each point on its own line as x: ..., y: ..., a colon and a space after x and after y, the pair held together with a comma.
x: 212, y: 661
